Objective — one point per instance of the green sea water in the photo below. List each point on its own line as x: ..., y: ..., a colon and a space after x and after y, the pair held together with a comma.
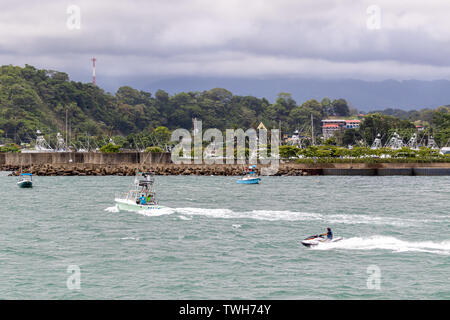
x: 221, y: 240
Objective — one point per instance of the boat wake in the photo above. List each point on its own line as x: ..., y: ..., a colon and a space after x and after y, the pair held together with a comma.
x: 112, y: 209
x: 387, y: 243
x: 149, y: 212
x: 255, y: 214
x: 274, y: 215
x: 130, y: 238
x: 271, y: 215
x: 155, y: 212
x: 185, y: 218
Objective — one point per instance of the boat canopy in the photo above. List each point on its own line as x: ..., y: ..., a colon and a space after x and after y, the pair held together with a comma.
x: 26, y: 174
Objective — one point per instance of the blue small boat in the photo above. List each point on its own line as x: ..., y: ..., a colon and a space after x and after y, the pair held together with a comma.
x: 250, y: 178
x: 25, y: 180
x: 247, y: 180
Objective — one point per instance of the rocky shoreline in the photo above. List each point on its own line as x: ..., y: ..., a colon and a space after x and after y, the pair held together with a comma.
x: 285, y: 169
x: 130, y: 170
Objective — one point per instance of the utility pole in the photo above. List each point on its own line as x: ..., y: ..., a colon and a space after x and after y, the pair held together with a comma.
x: 312, y: 131
x: 93, y: 70
x: 67, y: 111
x: 70, y: 136
x: 279, y: 129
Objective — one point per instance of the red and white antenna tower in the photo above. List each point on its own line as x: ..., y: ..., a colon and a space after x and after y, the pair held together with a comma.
x: 93, y: 70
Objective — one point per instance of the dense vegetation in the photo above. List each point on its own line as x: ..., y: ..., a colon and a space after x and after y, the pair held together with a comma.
x: 435, y: 122
x: 10, y: 147
x: 32, y: 99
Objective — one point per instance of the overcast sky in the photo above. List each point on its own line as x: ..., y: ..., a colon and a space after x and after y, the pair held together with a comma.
x: 230, y: 38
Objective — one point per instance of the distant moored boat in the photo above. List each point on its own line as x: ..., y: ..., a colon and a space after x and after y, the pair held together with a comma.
x: 251, y: 177
x: 25, y: 180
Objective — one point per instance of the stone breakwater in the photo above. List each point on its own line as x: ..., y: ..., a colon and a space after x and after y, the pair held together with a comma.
x: 130, y: 170
x: 285, y: 169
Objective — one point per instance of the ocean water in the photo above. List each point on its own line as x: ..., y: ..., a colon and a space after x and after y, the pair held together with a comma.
x: 221, y: 240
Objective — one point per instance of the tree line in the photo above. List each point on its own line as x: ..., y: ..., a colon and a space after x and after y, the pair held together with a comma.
x: 32, y: 99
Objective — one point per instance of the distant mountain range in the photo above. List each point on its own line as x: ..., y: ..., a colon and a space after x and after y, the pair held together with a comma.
x: 362, y: 95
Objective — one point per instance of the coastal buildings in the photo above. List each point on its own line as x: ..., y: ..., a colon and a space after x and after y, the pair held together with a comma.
x: 330, y: 126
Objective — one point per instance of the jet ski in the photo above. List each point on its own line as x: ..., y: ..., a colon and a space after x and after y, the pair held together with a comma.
x: 315, y: 240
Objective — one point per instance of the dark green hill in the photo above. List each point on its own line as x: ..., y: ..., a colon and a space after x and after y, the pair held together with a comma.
x: 33, y: 99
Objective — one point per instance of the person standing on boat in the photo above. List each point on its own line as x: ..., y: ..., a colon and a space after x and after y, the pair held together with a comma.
x: 329, y: 234
x: 249, y: 172
x: 149, y: 198
x: 142, y: 198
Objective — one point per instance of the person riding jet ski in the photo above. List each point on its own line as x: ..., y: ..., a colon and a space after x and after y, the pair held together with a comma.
x: 319, y: 238
x: 329, y: 234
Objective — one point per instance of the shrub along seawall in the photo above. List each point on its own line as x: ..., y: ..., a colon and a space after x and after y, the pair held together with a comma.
x: 126, y: 164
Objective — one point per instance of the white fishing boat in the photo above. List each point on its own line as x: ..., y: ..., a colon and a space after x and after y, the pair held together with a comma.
x: 41, y: 145
x: 141, y: 195
x: 445, y: 150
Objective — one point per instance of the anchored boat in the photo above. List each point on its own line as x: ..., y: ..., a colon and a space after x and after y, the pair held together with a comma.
x: 251, y: 177
x: 25, y: 180
x: 141, y: 195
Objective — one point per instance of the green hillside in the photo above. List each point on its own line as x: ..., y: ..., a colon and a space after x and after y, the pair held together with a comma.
x: 32, y: 99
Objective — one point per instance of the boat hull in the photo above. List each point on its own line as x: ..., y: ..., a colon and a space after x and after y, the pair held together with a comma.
x: 249, y: 181
x: 128, y: 205
x: 25, y: 184
x: 315, y: 242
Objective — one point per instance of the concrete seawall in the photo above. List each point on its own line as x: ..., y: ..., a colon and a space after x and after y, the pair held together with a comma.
x: 349, y: 172
x: 387, y: 169
x: 388, y: 172
x: 32, y: 158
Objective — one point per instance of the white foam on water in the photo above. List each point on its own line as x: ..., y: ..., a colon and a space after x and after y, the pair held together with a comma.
x: 112, y: 209
x: 156, y: 212
x: 130, y: 238
x: 387, y: 243
x: 255, y: 214
x: 149, y: 212
x: 215, y: 213
x: 274, y: 215
x: 367, y: 219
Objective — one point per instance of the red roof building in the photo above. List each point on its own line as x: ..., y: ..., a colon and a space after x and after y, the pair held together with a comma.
x: 330, y: 126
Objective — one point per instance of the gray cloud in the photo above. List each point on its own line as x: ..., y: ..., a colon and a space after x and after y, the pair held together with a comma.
x: 231, y: 38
